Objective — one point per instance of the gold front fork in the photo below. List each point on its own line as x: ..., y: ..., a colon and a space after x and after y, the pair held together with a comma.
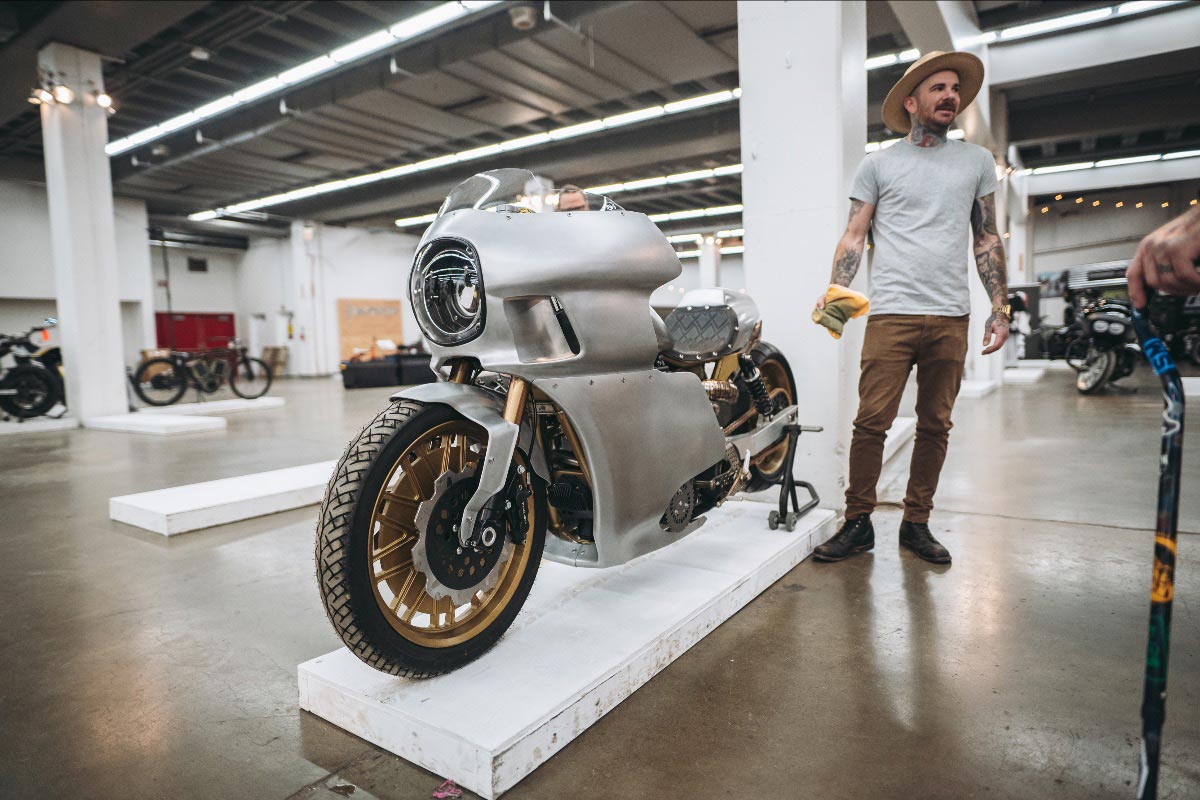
x: 518, y: 390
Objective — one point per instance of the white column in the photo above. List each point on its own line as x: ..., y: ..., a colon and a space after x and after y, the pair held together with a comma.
x: 804, y: 125
x: 710, y: 262
x: 83, y: 238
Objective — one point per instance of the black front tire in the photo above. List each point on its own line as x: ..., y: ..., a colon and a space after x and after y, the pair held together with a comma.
x: 1096, y: 371
x: 769, y: 360
x: 251, y: 378
x: 343, y: 549
x: 37, y: 391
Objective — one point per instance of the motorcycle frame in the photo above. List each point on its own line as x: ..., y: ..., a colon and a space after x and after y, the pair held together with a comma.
x: 642, y: 432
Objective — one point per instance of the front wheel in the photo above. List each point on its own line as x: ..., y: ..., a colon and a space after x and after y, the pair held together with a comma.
x: 34, y: 391
x: 251, y: 378
x: 399, y: 591
x: 1095, y: 371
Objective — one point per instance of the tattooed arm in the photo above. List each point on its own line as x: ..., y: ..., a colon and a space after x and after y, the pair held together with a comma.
x: 989, y: 259
x: 848, y: 254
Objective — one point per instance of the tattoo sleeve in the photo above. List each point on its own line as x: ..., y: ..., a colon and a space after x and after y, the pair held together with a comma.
x: 848, y: 255
x: 989, y: 249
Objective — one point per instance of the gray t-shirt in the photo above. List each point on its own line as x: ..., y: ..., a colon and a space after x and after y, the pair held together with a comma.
x: 923, y: 198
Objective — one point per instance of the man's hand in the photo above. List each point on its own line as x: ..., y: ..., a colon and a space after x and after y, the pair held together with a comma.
x: 1166, y: 260
x: 995, y: 331
x: 821, y: 301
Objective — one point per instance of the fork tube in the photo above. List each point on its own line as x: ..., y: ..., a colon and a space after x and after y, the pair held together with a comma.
x: 518, y: 390
x: 462, y: 372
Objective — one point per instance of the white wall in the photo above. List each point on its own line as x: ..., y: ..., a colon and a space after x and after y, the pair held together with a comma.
x: 214, y: 291
x: 1073, y: 233
x: 27, y: 271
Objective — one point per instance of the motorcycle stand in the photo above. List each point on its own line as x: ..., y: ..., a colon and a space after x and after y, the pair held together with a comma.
x: 787, y: 487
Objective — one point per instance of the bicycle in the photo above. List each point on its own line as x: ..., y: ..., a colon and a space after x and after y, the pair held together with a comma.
x: 162, y: 381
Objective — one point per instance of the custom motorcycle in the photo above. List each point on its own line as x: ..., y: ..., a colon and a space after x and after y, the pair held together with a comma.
x: 569, y: 422
x: 33, y: 386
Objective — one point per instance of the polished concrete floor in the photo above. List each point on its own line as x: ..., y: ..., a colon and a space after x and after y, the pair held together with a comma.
x: 137, y: 666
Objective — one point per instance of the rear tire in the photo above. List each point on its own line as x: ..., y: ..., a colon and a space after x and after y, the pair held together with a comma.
x: 159, y: 382
x: 349, y: 537
x: 37, y: 391
x: 766, y: 469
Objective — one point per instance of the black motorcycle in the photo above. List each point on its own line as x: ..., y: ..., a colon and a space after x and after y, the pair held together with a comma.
x: 31, y: 387
x: 1107, y: 344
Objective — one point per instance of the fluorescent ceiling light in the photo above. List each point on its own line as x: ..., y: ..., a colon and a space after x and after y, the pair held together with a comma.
x: 733, y: 250
x: 402, y: 31
x: 1181, y: 154
x: 888, y: 59
x: 957, y: 133
x: 692, y: 213
x: 1139, y: 6
x: 1115, y: 162
x: 685, y: 237
x: 1055, y: 23
x: 737, y: 233
x: 408, y: 222
x: 521, y: 143
x: 1063, y: 168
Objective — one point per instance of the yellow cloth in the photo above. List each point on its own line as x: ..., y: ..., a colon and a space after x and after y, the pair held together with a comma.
x: 841, y: 306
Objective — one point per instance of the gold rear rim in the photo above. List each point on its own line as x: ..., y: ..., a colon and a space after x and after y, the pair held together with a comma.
x: 774, y: 375
x: 399, y: 587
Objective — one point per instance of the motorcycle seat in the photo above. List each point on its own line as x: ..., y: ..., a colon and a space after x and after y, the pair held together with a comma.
x: 665, y: 343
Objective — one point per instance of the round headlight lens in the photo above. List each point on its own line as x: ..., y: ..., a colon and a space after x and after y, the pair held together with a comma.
x: 1100, y: 326
x: 446, y: 289
x: 1116, y: 327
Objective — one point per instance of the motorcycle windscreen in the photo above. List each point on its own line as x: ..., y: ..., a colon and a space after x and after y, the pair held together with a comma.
x: 519, y: 191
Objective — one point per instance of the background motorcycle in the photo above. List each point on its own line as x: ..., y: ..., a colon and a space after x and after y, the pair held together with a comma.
x: 569, y: 422
x: 1109, y: 345
x: 30, y: 388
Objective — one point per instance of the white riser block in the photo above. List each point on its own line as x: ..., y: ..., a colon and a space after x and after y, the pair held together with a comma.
x: 1023, y: 375
x: 1056, y: 365
x: 38, y: 425
x: 233, y: 406
x: 981, y: 388
x: 585, y: 641
x: 1191, y: 387
x: 203, y: 505
x: 155, y: 424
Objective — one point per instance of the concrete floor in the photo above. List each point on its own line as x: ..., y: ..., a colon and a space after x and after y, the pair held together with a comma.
x: 138, y: 666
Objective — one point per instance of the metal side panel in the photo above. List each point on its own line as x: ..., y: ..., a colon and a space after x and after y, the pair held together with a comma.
x: 644, y: 434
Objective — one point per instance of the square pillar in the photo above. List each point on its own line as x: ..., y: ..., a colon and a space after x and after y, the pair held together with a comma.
x: 804, y: 129
x: 83, y: 235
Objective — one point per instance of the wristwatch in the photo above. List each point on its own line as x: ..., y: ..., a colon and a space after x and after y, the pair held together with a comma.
x: 1005, y: 309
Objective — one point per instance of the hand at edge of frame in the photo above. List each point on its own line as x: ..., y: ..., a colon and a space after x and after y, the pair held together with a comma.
x: 1166, y: 260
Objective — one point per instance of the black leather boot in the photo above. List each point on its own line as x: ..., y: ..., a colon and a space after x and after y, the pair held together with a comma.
x: 856, y: 536
x: 916, y: 537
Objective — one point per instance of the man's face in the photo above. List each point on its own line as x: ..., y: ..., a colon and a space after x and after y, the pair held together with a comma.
x: 572, y: 201
x: 935, y: 101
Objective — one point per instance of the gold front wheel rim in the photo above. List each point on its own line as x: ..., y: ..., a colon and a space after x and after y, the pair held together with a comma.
x: 398, y: 585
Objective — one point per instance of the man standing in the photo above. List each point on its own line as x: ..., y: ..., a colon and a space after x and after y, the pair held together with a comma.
x: 920, y: 197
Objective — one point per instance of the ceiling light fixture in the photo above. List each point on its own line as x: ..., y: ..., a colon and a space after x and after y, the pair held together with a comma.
x: 63, y: 94
x: 1070, y: 21
x: 521, y: 143
x: 104, y: 100
x: 402, y: 31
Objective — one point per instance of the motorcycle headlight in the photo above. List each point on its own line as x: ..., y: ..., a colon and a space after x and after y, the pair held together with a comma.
x: 1116, y: 327
x: 446, y: 291
x: 1100, y: 326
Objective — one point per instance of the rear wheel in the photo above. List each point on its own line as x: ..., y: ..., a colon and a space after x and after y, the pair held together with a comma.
x: 160, y: 381
x: 766, y: 468
x: 34, y: 389
x: 1096, y: 370
x: 251, y: 378
x: 394, y: 586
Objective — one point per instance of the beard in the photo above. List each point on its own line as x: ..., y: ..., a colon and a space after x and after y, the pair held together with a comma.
x: 932, y: 123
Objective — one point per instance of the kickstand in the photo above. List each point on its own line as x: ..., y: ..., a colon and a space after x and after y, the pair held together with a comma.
x: 787, y: 486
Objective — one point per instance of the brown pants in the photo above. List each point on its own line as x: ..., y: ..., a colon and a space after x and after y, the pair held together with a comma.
x: 894, y: 344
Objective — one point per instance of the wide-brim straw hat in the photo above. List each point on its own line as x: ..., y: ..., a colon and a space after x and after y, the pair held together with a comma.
x: 970, y: 79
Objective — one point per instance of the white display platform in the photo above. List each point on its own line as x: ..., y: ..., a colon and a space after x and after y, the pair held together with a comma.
x: 232, y: 406
x: 1056, y: 365
x: 977, y: 388
x: 1024, y: 375
x: 1191, y: 387
x: 203, y: 505
x: 38, y: 425
x: 902, y: 432
x: 585, y: 641
x: 155, y: 424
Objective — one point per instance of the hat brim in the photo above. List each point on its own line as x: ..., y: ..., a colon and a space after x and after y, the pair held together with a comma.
x: 970, y: 79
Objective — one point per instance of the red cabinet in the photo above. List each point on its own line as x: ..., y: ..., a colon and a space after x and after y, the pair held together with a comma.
x: 194, y: 331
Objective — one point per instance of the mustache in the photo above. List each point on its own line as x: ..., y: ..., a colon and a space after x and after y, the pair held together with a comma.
x: 949, y: 105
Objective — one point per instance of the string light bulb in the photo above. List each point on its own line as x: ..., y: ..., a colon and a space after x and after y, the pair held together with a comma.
x: 1095, y: 203
x: 1045, y: 209
x: 1194, y: 202
x: 63, y: 94
x: 1078, y: 200
x: 1058, y: 197
x: 1139, y: 205
x: 1164, y: 205
x: 1120, y: 203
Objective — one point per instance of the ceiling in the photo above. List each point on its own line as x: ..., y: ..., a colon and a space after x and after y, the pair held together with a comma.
x: 481, y: 81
